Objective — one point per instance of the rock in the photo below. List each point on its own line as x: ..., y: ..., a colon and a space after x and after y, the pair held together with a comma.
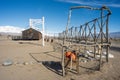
x: 104, y: 55
x: 7, y: 63
x: 88, y: 52
x: 111, y: 56
x: 26, y: 63
x: 86, y: 55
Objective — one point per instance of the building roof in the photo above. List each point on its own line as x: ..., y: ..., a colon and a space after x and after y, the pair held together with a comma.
x: 31, y: 29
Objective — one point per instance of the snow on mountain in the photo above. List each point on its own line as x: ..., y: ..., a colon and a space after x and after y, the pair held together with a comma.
x: 11, y: 29
x: 115, y: 35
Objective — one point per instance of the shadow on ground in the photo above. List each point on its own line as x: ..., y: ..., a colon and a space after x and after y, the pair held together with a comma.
x: 45, y: 53
x: 53, y: 66
x: 30, y: 43
x: 115, y: 48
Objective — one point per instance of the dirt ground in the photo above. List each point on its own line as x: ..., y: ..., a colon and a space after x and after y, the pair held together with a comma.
x: 32, y: 61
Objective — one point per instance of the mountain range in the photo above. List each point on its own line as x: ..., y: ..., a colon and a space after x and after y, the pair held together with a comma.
x: 115, y: 34
x: 17, y: 31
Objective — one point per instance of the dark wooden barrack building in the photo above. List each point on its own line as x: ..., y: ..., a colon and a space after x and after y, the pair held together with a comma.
x: 31, y: 34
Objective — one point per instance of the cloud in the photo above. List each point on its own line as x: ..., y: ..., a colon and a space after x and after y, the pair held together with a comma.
x: 114, y: 5
x: 110, y: 3
x: 11, y: 29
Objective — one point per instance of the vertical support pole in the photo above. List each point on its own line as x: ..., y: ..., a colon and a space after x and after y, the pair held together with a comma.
x: 69, y: 16
x: 68, y: 22
x: 76, y: 36
x: 94, y: 38
x: 30, y: 23
x: 85, y: 34
x: 95, y: 51
x: 77, y: 63
x: 71, y: 63
x: 101, y: 28
x: 101, y: 33
x: 63, y: 62
x: 107, y: 39
x: 63, y: 36
x: 71, y: 35
x: 107, y: 55
x: 85, y: 38
x: 43, y: 31
x: 100, y: 52
x: 80, y: 37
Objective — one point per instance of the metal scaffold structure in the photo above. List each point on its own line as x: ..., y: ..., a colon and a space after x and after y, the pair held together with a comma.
x: 92, y: 35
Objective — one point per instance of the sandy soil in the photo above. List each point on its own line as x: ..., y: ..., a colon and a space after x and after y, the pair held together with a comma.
x: 32, y: 61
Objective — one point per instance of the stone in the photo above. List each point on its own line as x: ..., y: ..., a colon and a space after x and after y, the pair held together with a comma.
x: 7, y: 63
x: 26, y: 63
